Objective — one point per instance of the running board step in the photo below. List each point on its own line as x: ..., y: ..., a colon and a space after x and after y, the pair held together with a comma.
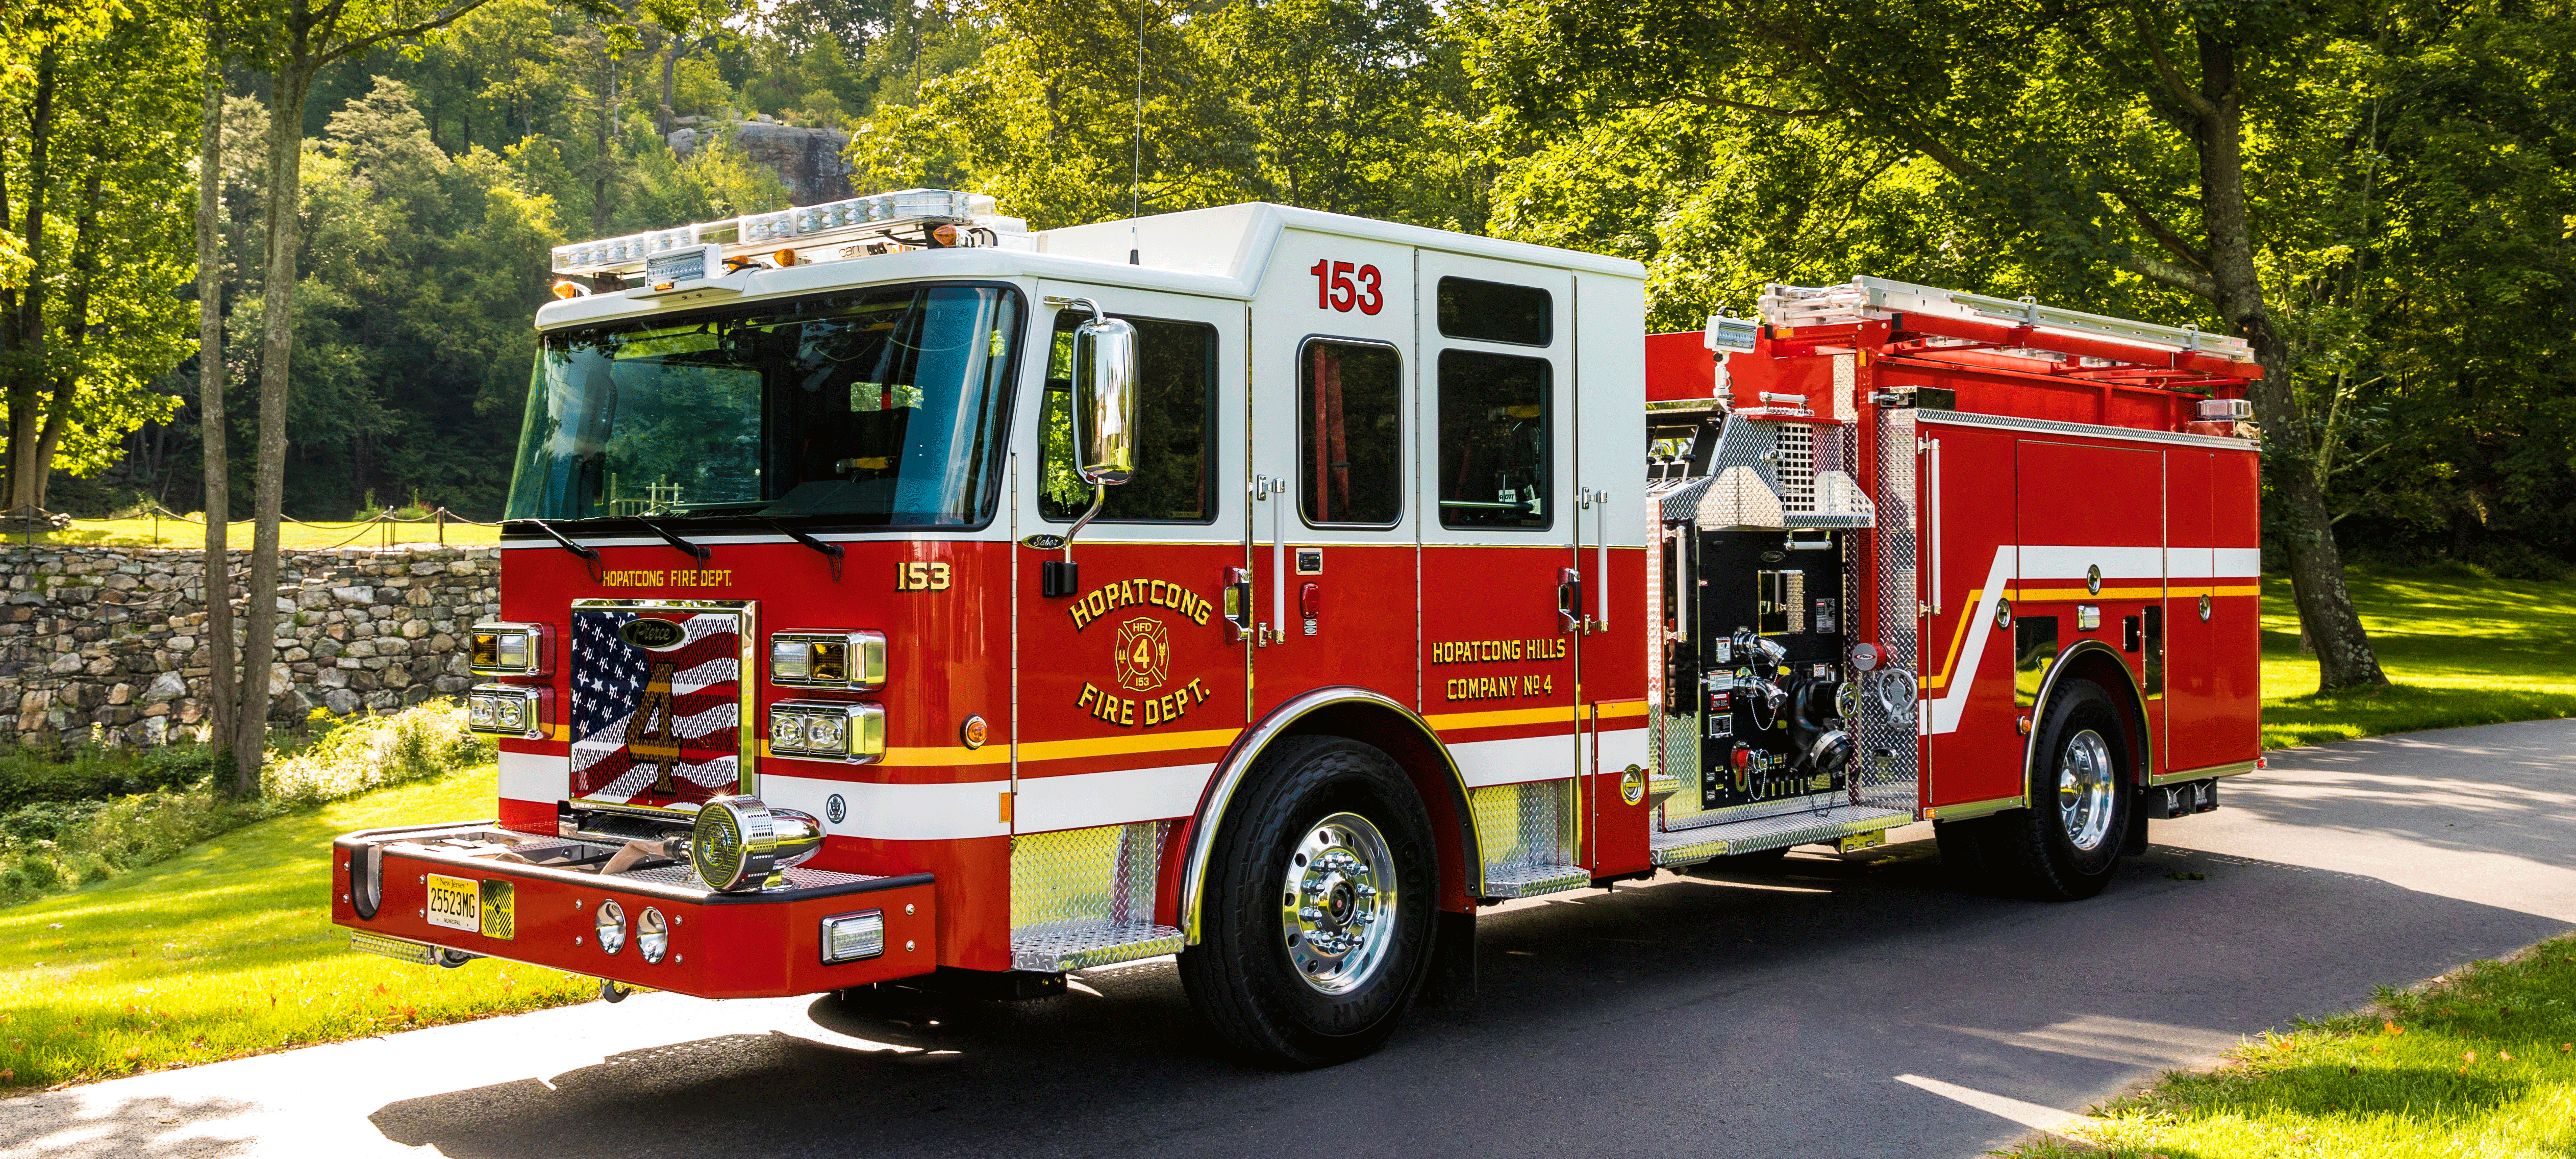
x: 1533, y: 880
x: 1060, y: 946
x: 1685, y: 846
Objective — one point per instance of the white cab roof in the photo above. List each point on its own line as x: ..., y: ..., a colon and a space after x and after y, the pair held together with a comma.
x: 1223, y: 252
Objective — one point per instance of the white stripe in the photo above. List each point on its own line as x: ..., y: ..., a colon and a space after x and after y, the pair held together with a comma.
x: 2070, y: 563
x: 1510, y: 762
x: 1621, y: 748
x: 895, y: 812
x: 711, y: 672
x: 2031, y: 1115
x: 1082, y: 800
x: 2187, y: 563
x: 533, y: 777
x: 1948, y: 707
x: 2239, y: 562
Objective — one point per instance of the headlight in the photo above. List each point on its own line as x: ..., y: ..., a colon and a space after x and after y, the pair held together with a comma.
x: 652, y: 935
x: 812, y: 659
x: 850, y: 937
x: 612, y: 927
x: 514, y: 710
x: 502, y: 649
x: 740, y: 844
x: 832, y: 730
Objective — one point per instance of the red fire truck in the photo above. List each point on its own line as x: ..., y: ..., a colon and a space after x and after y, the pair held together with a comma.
x: 892, y: 591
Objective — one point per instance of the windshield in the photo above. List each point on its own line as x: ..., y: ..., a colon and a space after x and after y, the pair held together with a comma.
x: 881, y: 406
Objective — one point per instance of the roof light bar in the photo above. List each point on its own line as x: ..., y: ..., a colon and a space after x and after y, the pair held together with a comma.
x: 878, y: 215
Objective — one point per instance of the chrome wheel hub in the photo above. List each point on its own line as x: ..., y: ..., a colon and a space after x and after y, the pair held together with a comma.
x: 2086, y: 781
x: 1336, y: 892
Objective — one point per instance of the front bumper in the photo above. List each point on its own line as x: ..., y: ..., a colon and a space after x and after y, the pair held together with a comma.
x: 722, y: 945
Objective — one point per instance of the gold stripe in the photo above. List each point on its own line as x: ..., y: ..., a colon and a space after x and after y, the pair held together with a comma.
x: 1561, y: 714
x: 1958, y: 637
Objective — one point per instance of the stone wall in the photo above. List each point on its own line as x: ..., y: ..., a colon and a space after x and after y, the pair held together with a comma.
x: 108, y: 643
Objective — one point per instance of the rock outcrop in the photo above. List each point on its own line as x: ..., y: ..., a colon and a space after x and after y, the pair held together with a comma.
x: 807, y: 160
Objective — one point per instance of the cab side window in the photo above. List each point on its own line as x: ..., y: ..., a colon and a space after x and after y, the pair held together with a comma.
x: 1484, y: 311
x: 1176, y: 428
x: 1496, y: 449
x: 1350, y: 437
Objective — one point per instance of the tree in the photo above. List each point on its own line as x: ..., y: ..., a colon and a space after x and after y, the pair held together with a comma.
x: 2112, y: 138
x: 292, y: 41
x: 88, y: 321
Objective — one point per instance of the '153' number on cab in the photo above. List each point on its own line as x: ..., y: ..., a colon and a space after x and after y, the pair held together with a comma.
x: 1340, y: 286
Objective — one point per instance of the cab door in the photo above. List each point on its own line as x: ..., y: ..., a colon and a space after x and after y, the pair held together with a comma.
x: 1501, y: 503
x: 1132, y: 686
x: 1333, y: 519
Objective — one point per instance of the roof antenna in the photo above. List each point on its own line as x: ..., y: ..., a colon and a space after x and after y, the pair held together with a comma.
x: 1136, y: 161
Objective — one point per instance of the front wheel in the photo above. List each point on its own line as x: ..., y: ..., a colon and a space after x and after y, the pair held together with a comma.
x: 2065, y: 846
x: 1319, y: 904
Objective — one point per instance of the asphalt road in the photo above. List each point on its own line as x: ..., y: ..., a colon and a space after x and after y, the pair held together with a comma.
x: 1839, y: 1008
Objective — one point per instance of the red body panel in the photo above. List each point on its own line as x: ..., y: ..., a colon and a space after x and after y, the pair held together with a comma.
x: 752, y: 949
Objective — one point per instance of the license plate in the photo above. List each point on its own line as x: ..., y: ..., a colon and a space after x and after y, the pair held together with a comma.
x: 456, y: 903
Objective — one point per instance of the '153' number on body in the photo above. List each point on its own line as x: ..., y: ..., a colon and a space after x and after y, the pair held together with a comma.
x: 1339, y: 286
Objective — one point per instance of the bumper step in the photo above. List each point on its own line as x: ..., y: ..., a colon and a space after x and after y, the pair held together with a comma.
x: 1058, y: 947
x: 1533, y: 880
x: 1686, y: 846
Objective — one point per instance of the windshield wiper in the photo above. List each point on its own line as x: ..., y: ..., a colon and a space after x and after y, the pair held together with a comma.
x: 588, y: 555
x: 696, y: 551
x: 831, y: 549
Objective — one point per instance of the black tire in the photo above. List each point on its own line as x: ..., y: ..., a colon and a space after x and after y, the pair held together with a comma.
x: 1244, y: 975
x: 2067, y: 844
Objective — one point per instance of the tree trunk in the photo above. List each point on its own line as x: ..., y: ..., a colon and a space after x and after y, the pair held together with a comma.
x: 221, y: 681
x: 670, y: 63
x: 2303, y: 522
x: 66, y: 393
x: 27, y: 325
x: 288, y: 87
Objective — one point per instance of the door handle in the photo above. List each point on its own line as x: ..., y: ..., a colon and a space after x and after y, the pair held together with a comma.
x: 1569, y: 599
x: 1238, y: 602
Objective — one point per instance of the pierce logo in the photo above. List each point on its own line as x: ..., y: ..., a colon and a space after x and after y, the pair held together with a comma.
x: 657, y: 635
x: 1144, y: 654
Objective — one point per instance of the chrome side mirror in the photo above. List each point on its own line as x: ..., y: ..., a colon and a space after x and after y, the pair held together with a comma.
x: 1104, y: 400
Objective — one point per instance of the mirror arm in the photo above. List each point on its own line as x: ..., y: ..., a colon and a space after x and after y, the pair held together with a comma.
x: 1099, y: 496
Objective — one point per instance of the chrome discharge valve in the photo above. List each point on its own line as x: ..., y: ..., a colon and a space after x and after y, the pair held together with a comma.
x: 740, y: 844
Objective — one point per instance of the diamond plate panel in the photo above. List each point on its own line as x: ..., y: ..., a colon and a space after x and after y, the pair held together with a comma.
x: 1889, y: 775
x: 1682, y: 847
x: 1055, y: 949
x: 1085, y: 897
x: 1103, y: 875
x: 1526, y: 831
x: 798, y: 877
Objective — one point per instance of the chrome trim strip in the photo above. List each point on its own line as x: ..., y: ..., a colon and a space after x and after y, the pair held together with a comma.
x: 2088, y: 430
x: 2048, y: 684
x: 1248, y: 748
x: 2204, y: 773
x: 1717, y: 843
x: 1970, y: 810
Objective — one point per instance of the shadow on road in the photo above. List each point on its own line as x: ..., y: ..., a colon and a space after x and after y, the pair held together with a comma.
x: 1714, y: 1013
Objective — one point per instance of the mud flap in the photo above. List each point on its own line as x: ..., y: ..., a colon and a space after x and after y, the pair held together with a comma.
x: 1451, y: 980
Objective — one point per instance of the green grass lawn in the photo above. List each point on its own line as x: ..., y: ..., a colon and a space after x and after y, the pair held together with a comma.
x: 2461, y: 651
x: 228, y: 950
x: 2480, y: 1063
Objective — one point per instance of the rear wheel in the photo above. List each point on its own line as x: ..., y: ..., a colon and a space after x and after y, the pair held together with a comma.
x: 2065, y: 846
x: 1318, y: 913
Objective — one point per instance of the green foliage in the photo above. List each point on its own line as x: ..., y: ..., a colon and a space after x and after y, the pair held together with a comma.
x: 32, y: 774
x: 58, y: 841
x: 227, y: 950
x: 2475, y: 1063
x: 2463, y: 645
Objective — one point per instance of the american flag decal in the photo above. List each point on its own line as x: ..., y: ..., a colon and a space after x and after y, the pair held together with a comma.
x: 656, y: 727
